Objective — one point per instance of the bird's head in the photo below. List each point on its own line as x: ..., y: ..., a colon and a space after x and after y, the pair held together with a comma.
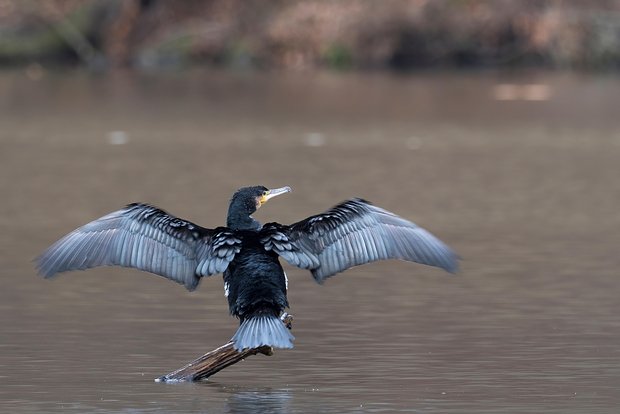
x: 247, y: 200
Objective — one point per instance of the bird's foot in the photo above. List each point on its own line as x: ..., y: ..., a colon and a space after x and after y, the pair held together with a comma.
x: 287, y: 320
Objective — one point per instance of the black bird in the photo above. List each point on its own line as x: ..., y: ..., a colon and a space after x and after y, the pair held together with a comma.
x: 144, y: 237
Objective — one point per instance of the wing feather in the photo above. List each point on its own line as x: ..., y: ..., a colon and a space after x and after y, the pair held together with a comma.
x: 146, y: 238
x: 352, y: 233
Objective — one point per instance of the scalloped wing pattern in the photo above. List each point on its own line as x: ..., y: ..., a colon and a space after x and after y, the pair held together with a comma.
x: 352, y: 233
x: 146, y: 238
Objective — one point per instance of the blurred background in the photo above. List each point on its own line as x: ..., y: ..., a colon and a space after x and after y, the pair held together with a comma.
x: 493, y: 124
x: 396, y: 34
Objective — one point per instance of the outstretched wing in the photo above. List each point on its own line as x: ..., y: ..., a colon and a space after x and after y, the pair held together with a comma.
x: 353, y: 233
x: 146, y: 238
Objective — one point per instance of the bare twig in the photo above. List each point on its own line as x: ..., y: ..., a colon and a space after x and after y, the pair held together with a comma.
x: 73, y: 37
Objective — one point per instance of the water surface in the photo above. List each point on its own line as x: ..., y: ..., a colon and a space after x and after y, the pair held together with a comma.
x: 526, y: 191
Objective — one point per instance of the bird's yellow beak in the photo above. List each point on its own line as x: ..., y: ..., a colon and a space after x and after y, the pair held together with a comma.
x: 269, y: 194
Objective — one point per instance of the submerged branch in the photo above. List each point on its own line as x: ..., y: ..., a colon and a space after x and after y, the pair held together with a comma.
x: 218, y: 359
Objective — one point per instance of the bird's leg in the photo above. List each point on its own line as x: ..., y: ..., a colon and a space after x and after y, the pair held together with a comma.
x: 218, y: 359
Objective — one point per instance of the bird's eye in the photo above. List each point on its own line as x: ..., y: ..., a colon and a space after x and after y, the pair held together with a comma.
x: 265, y: 193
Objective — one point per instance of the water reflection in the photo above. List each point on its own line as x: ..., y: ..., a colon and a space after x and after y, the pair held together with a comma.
x: 255, y: 400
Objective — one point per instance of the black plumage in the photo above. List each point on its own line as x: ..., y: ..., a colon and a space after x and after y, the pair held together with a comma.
x: 146, y: 238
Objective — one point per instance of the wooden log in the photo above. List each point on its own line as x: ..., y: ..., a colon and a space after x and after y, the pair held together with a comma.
x: 218, y: 359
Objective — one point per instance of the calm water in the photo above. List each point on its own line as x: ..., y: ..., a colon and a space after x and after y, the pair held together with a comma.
x: 526, y: 190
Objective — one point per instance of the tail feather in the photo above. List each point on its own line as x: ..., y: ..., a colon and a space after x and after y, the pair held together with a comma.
x: 262, y: 330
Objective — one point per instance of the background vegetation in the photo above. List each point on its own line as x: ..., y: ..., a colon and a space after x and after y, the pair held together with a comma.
x: 302, y: 34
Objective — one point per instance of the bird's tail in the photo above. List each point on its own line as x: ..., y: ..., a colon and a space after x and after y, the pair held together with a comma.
x: 262, y: 330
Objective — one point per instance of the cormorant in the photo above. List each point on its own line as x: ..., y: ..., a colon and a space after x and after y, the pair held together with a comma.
x: 144, y: 237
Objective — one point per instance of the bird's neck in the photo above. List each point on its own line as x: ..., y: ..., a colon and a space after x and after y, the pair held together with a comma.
x: 241, y: 220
